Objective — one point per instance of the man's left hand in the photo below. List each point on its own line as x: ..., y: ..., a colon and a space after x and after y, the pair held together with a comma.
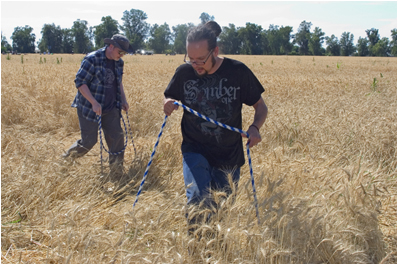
x: 254, y: 135
x: 125, y: 106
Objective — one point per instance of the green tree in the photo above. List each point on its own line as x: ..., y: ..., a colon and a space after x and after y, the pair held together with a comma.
x: 273, y: 39
x: 393, y: 43
x: 106, y: 29
x: 333, y: 46
x: 67, y: 41
x: 295, y: 49
x: 276, y: 40
x: 252, y: 39
x: 5, y: 46
x: 285, y: 37
x: 373, y: 37
x: 180, y: 33
x: 135, y: 28
x: 51, y: 40
x: 23, y: 40
x: 363, y: 47
x: 81, y: 36
x: 267, y: 42
x: 229, y: 42
x: 90, y: 35
x: 347, y: 44
x: 303, y: 36
x: 204, y: 17
x: 381, y: 48
x: 160, y: 38
x: 315, y: 42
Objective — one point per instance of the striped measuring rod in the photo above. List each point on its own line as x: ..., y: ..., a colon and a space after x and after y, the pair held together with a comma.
x: 247, y: 147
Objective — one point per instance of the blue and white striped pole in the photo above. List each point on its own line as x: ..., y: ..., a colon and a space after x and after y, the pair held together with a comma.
x: 235, y: 130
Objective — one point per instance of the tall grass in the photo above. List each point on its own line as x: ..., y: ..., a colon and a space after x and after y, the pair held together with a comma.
x: 325, y: 171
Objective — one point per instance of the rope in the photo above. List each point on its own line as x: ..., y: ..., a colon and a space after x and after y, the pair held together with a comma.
x: 212, y: 121
x: 102, y: 146
x: 254, y: 188
x: 131, y: 133
x: 247, y: 147
x: 150, y: 161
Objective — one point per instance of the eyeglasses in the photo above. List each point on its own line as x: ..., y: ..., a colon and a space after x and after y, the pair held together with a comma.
x: 122, y: 52
x: 188, y: 61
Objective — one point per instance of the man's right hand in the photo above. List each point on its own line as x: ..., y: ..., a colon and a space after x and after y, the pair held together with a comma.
x: 97, y: 108
x: 85, y: 91
x: 169, y: 106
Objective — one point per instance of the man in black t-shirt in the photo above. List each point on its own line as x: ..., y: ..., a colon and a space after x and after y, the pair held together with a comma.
x: 215, y: 87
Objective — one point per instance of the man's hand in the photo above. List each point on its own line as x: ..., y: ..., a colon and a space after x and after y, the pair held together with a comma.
x: 125, y: 106
x: 254, y: 136
x: 85, y: 91
x: 260, y: 114
x: 169, y: 106
x: 97, y: 108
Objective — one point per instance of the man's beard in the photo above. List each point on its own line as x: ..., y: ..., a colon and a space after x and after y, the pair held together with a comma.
x: 213, y: 62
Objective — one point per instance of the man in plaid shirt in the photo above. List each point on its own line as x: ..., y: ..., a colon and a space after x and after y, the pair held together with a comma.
x: 101, y: 93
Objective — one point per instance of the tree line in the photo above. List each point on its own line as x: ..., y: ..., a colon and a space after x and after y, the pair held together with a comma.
x: 251, y: 39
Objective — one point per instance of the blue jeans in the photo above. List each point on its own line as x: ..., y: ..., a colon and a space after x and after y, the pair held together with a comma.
x: 200, y: 178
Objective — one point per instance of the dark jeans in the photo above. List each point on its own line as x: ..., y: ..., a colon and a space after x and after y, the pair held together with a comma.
x: 112, y: 132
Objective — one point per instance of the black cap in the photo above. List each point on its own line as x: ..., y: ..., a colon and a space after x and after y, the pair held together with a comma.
x: 121, y: 42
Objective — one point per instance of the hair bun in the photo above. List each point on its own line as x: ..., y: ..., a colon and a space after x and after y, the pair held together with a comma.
x: 213, y: 26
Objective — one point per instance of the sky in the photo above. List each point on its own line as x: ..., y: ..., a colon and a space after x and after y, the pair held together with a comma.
x: 332, y: 17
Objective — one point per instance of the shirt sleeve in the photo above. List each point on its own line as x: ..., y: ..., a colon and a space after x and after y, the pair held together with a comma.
x: 85, y: 73
x: 253, y: 88
x: 173, y: 88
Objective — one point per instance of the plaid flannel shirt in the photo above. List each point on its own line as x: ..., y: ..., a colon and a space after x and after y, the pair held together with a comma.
x: 92, y: 73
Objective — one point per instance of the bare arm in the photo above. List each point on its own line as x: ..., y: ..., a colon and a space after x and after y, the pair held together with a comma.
x: 85, y: 91
x: 125, y: 105
x: 260, y: 115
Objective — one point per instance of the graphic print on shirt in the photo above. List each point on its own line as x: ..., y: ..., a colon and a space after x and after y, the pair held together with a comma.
x: 212, y: 97
x: 110, y: 85
x: 109, y: 78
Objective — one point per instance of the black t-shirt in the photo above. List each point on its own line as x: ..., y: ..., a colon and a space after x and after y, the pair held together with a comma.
x: 218, y: 96
x: 110, y: 84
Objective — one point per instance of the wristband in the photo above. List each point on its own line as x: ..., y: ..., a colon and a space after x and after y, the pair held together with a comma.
x: 255, y: 127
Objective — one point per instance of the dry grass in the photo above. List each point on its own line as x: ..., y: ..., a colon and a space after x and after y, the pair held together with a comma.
x: 326, y: 170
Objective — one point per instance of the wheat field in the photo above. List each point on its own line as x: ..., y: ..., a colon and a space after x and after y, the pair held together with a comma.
x: 325, y: 171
